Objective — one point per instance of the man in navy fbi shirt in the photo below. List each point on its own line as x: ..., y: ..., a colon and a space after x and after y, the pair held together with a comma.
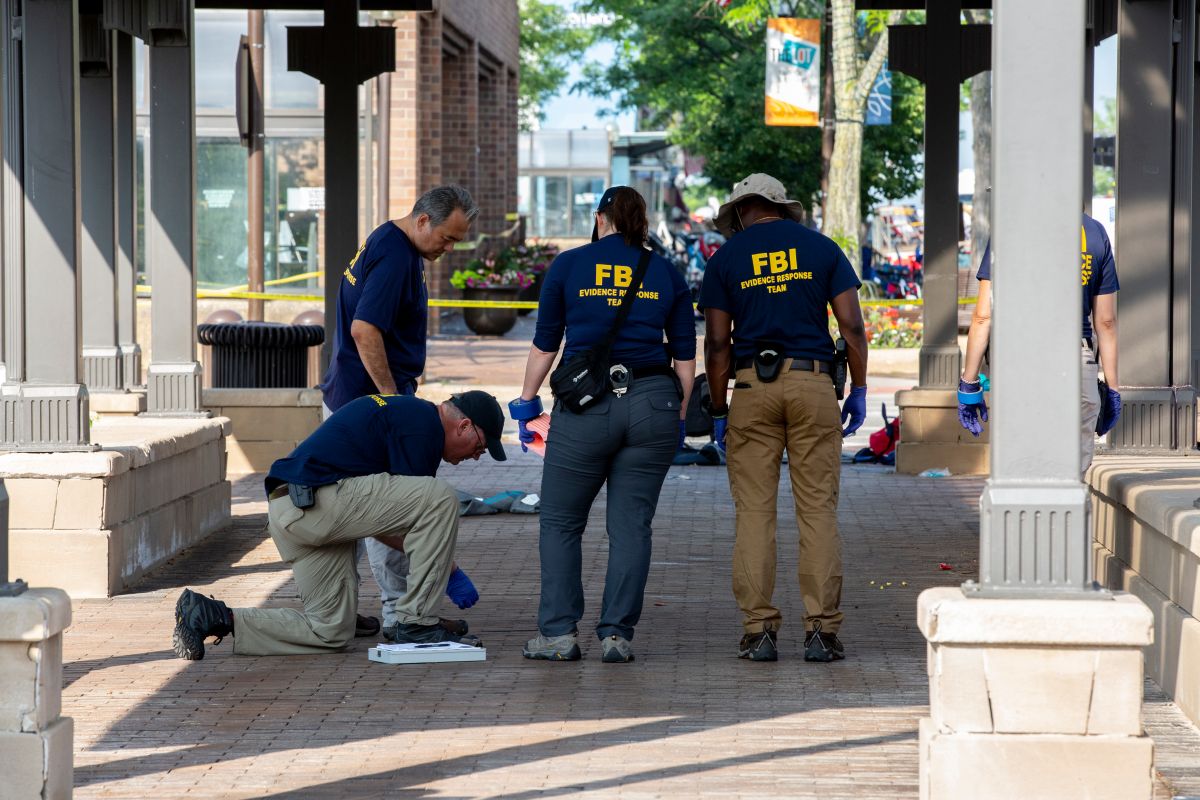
x: 379, y: 338
x: 368, y: 471
x: 766, y: 297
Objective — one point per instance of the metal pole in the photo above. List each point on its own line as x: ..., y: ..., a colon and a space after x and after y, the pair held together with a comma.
x: 123, y: 78
x: 1034, y: 537
x: 254, y: 165
x: 383, y: 182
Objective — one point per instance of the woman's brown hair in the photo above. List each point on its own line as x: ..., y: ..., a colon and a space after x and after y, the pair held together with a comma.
x: 627, y: 215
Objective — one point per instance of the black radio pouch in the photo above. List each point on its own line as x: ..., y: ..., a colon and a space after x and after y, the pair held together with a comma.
x: 839, y: 367
x: 767, y: 364
x: 302, y: 496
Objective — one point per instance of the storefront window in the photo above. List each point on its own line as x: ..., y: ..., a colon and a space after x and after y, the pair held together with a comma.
x: 585, y: 193
x: 296, y: 193
x: 221, y: 244
x: 218, y: 35
x: 288, y: 89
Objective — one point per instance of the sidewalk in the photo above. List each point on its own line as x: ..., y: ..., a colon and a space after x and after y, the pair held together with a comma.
x: 686, y: 719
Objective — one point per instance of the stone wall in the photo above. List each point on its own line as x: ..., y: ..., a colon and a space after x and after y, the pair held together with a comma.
x: 267, y: 424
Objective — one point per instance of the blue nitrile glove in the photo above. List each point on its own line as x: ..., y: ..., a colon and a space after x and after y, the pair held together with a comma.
x: 720, y: 425
x: 855, y: 408
x: 1110, y: 409
x: 461, y: 590
x: 682, y: 434
x: 972, y: 410
x: 523, y: 411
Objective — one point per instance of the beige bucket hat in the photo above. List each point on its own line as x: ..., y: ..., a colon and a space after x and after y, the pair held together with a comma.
x: 763, y: 186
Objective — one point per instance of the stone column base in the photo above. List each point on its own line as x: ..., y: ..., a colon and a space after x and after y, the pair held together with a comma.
x: 45, y: 418
x: 173, y: 390
x: 1156, y: 420
x: 1034, y: 698
x: 931, y: 436
x: 131, y: 364
x: 35, y: 740
x: 103, y: 369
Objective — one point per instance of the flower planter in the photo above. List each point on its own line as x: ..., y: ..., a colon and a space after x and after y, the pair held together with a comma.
x: 491, y: 321
x: 532, y: 292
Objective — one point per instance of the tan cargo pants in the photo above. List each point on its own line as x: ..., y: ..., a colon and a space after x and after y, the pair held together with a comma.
x: 319, y: 543
x: 797, y: 411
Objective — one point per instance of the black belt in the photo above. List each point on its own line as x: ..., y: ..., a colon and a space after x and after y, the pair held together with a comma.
x: 637, y: 373
x: 279, y: 491
x: 803, y: 364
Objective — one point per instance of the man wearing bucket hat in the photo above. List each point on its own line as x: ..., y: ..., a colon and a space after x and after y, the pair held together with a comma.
x: 367, y: 471
x: 766, y: 296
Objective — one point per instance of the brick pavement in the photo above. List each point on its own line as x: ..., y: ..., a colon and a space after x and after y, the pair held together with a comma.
x: 687, y: 718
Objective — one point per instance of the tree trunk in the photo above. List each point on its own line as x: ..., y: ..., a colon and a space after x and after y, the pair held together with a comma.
x: 852, y: 85
x: 827, y: 112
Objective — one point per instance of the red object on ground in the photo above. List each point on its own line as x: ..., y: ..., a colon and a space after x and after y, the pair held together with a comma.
x: 944, y: 565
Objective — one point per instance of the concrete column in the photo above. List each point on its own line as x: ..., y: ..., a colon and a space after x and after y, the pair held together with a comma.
x: 1153, y: 237
x: 102, y: 363
x: 12, y: 220
x: 174, y: 377
x: 35, y: 739
x: 1032, y: 666
x: 940, y: 359
x: 126, y: 202
x: 51, y: 404
x: 1034, y: 536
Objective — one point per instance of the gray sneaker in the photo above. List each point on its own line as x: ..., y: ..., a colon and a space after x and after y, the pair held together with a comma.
x: 616, y: 650
x: 553, y: 648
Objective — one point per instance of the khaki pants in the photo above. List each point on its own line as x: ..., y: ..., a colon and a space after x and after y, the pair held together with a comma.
x: 797, y: 411
x: 1089, y: 407
x: 319, y: 543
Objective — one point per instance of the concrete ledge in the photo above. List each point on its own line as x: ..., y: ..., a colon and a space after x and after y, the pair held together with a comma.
x: 946, y: 615
x: 932, y: 436
x: 39, y: 765
x: 93, y: 523
x: 1003, y: 767
x: 34, y: 615
x: 108, y: 404
x: 272, y: 398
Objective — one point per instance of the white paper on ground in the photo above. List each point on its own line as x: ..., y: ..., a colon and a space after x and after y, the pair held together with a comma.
x: 425, y: 653
x: 530, y: 499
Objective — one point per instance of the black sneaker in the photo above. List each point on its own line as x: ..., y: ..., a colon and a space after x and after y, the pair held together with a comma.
x: 759, y: 646
x: 365, y: 626
x: 822, y: 646
x: 412, y: 633
x: 458, y: 627
x: 196, y: 618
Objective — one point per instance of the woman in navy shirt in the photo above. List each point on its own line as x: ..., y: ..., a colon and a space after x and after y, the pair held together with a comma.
x: 626, y: 440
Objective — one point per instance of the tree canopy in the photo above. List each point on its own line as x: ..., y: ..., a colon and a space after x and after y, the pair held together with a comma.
x: 700, y: 76
x: 547, y: 45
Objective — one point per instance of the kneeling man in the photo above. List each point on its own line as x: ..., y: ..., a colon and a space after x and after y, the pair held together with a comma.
x: 367, y: 471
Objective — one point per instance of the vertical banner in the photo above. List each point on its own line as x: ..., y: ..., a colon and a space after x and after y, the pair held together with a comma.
x: 879, y: 101
x: 793, y: 72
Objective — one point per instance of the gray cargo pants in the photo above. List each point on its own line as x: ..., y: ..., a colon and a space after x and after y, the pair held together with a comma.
x: 627, y: 442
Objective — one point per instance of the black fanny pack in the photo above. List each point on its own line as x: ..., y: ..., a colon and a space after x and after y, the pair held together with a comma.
x: 579, y: 381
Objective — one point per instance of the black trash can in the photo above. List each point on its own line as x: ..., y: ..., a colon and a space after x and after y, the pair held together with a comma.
x: 259, y: 355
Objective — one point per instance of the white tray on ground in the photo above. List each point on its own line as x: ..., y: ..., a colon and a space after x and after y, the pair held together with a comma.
x: 425, y: 653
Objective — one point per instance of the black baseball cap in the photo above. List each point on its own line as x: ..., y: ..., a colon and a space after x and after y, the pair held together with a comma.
x: 607, y: 199
x: 484, y: 411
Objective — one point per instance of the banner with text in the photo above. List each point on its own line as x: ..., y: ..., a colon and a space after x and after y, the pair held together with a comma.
x: 793, y: 72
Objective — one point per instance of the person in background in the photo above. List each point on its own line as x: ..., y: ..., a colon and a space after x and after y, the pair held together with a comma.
x: 626, y: 440
x: 380, y: 332
x: 1100, y: 402
x: 766, y: 299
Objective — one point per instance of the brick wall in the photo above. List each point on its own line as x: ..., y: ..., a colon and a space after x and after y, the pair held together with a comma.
x: 454, y: 114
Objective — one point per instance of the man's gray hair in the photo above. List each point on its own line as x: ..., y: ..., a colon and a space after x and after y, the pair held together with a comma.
x: 442, y: 201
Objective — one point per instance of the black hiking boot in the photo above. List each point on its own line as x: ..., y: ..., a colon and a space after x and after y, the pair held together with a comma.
x: 759, y: 646
x: 822, y: 646
x: 412, y: 633
x: 196, y: 618
x: 365, y: 626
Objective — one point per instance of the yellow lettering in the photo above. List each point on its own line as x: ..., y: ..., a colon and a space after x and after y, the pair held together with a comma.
x: 792, y: 256
x: 602, y: 272
x: 622, y: 276
x: 778, y: 261
x: 777, y: 289
x: 379, y: 399
x: 350, y: 276
x: 758, y: 260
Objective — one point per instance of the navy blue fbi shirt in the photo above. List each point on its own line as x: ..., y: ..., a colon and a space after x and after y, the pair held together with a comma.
x: 583, y: 290
x: 396, y: 434
x: 385, y: 286
x: 1097, y: 270
x: 776, y: 280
